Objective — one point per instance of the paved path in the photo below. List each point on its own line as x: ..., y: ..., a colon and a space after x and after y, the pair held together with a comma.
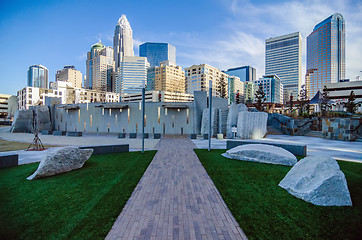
x: 175, y: 199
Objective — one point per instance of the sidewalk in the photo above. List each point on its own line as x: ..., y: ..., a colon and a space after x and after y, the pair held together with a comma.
x: 175, y: 199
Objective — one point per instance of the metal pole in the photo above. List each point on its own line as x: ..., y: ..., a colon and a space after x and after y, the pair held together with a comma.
x: 210, y: 108
x: 143, y: 119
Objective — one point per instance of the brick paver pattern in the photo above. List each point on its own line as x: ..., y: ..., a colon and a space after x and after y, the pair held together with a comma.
x: 175, y: 199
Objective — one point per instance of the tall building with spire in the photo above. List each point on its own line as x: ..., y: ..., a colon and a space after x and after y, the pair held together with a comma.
x: 122, y: 41
x: 325, y: 54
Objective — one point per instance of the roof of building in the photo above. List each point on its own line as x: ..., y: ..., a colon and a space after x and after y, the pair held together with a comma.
x: 98, y: 46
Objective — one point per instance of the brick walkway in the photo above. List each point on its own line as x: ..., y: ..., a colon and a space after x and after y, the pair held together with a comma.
x: 175, y: 199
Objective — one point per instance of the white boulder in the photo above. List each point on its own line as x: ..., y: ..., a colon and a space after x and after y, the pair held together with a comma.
x: 232, y: 118
x: 262, y: 153
x: 61, y: 160
x: 318, y: 180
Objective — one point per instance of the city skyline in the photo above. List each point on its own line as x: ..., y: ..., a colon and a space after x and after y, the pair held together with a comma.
x: 56, y: 36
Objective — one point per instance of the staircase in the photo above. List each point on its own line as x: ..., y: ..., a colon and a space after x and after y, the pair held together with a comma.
x: 273, y: 131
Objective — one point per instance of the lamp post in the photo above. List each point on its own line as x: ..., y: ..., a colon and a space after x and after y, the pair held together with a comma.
x: 210, y: 107
x: 143, y: 117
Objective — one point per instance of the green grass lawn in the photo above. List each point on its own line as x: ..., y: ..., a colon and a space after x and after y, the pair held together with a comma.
x: 266, y: 211
x: 81, y: 204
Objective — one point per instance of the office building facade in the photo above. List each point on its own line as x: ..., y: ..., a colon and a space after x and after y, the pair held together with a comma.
x: 283, y: 57
x: 326, y: 54
x: 244, y: 73
x: 158, y: 52
x: 131, y: 75
x: 198, y: 77
x: 236, y: 90
x: 169, y: 78
x: 71, y: 75
x: 272, y: 87
x: 38, y: 76
x: 100, y: 68
x: 122, y: 41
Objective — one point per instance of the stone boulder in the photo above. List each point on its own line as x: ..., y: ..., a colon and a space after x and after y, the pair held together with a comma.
x: 318, y: 180
x: 214, y: 121
x: 42, y: 115
x: 23, y: 121
x: 232, y: 118
x: 262, y: 153
x: 252, y: 125
x: 61, y: 160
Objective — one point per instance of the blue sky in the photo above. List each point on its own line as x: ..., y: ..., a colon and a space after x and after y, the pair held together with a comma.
x: 222, y: 33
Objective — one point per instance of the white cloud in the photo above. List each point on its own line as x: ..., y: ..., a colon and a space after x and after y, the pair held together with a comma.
x: 240, y: 38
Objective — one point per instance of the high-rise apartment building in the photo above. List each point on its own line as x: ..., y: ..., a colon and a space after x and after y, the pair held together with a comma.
x: 122, y: 41
x: 100, y: 68
x: 244, y: 73
x: 236, y: 90
x: 272, y: 87
x: 71, y: 75
x: 131, y: 75
x: 38, y: 76
x: 166, y: 77
x: 326, y: 54
x: 198, y: 77
x: 283, y: 57
x: 158, y: 52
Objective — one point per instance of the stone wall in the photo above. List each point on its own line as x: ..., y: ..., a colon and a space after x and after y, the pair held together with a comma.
x: 341, y: 128
x: 252, y: 125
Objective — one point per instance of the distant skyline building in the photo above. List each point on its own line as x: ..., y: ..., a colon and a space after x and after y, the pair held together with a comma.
x: 38, y: 76
x: 131, y: 75
x: 272, y: 87
x: 122, y: 41
x: 283, y: 57
x: 245, y: 73
x: 198, y: 77
x: 236, y: 90
x: 157, y: 53
x: 326, y: 54
x: 71, y: 75
x: 100, y: 68
x: 168, y: 77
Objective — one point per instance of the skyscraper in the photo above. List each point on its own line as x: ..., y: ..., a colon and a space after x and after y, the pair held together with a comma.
x: 70, y: 74
x: 272, y: 87
x: 283, y: 57
x: 245, y: 73
x: 38, y: 76
x: 158, y: 52
x: 131, y: 75
x: 326, y: 53
x: 100, y: 68
x: 122, y: 41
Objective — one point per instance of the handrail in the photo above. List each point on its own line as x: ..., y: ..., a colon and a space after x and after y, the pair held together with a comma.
x: 356, y: 127
x: 280, y: 121
x: 305, y: 124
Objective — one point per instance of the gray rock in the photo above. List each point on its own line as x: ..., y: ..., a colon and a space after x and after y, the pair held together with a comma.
x: 223, y: 114
x: 22, y: 121
x: 262, y: 153
x: 232, y: 118
x: 214, y: 121
x: 42, y: 114
x: 61, y: 160
x: 318, y: 180
x: 252, y: 125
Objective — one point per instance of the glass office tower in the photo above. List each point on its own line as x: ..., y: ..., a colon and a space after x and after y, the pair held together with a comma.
x: 158, y: 52
x: 326, y: 54
x: 245, y: 73
x: 38, y: 76
x: 283, y: 57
